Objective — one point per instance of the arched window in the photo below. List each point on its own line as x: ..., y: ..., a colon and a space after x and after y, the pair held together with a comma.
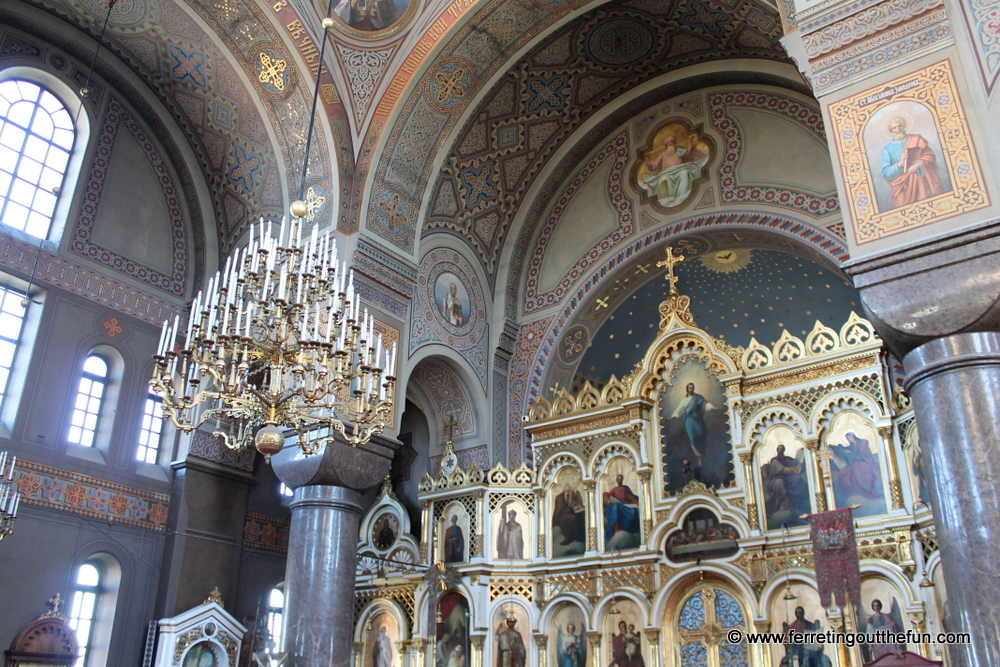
x: 11, y: 324
x: 84, y: 607
x: 36, y: 138
x: 705, y: 619
x: 275, y: 608
x: 151, y: 429
x: 93, y: 602
x: 89, y: 397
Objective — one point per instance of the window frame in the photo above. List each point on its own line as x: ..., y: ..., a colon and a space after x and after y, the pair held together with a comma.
x: 82, y: 125
x: 151, y: 396
x: 104, y: 382
x: 110, y: 576
x: 80, y: 591
x: 274, y: 620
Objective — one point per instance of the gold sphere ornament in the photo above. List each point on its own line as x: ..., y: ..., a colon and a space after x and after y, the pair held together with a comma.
x: 269, y: 441
x: 329, y: 23
x: 298, y: 208
x: 84, y: 92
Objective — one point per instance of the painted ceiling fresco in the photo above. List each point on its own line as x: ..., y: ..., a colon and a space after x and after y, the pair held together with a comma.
x: 542, y: 99
x: 199, y: 76
x: 736, y: 295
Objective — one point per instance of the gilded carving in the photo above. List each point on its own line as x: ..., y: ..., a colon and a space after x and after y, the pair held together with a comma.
x: 808, y: 375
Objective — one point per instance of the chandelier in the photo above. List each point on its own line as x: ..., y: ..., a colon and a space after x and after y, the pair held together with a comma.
x: 277, y: 343
x: 9, y: 497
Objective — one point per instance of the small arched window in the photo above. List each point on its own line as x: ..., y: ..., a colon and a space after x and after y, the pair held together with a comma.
x: 151, y: 429
x: 89, y: 398
x: 36, y: 139
x: 275, y: 609
x: 84, y: 607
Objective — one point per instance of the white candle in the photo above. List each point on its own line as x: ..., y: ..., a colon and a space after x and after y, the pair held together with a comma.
x: 173, y: 332
x: 163, y: 338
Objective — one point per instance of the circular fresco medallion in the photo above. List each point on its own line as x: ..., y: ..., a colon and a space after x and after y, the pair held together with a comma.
x: 370, y: 19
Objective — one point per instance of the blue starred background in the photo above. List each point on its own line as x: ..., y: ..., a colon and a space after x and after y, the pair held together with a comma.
x: 776, y: 291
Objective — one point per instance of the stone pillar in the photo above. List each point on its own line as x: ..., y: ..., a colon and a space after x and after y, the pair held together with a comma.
x: 322, y: 546
x: 319, y: 576
x: 203, y: 548
x: 954, y: 382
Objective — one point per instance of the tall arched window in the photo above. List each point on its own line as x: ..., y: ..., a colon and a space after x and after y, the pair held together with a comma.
x: 275, y: 608
x: 151, y: 429
x: 84, y: 607
x: 89, y: 397
x: 36, y: 138
x: 93, y: 601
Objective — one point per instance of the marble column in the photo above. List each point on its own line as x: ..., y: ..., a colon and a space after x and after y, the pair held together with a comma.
x: 954, y: 382
x: 326, y: 508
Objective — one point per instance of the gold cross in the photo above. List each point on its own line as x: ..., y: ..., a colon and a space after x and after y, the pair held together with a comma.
x: 642, y: 267
x: 602, y: 303
x: 56, y: 602
x: 451, y: 427
x: 670, y: 262
x: 271, y: 71
x: 451, y: 85
x: 554, y: 389
x: 395, y: 217
x: 313, y: 203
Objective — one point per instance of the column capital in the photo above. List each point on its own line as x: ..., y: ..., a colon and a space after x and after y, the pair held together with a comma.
x: 932, y: 288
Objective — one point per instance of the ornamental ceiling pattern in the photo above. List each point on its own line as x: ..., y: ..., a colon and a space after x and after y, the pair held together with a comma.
x: 537, y: 104
x: 203, y: 88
